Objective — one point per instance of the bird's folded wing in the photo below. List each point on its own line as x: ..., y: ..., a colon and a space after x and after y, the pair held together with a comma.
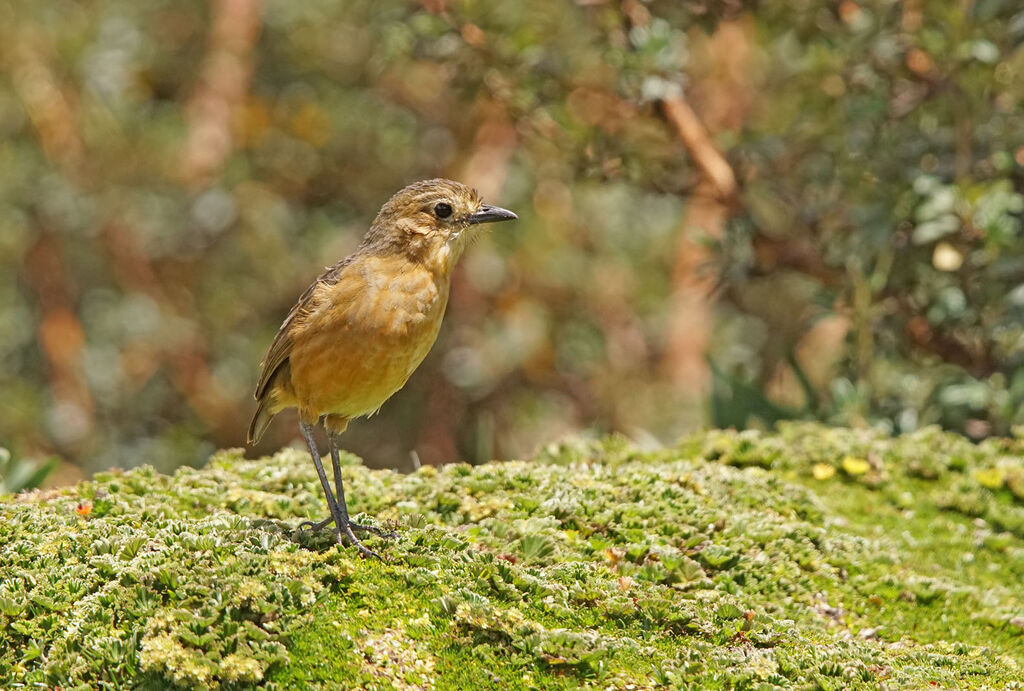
x: 281, y: 348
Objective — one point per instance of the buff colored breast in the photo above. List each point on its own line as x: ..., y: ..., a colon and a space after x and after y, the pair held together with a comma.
x: 367, y: 335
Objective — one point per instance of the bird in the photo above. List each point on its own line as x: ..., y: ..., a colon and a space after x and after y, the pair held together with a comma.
x: 357, y: 334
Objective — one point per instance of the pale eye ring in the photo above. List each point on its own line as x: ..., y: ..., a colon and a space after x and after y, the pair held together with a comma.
x: 443, y: 210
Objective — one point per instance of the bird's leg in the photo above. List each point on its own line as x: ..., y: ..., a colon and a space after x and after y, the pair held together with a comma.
x: 339, y: 514
x: 332, y: 506
x: 334, y: 438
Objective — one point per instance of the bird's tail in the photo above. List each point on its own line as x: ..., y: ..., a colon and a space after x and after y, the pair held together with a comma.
x: 260, y: 421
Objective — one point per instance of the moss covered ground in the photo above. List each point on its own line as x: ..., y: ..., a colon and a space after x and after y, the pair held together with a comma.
x: 805, y: 558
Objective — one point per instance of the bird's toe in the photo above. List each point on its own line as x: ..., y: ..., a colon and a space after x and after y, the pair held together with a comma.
x: 373, y: 530
x: 315, y: 527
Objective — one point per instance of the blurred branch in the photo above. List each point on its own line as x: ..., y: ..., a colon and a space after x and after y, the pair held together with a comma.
x: 697, y: 140
x: 222, y: 86
x: 487, y: 164
x: 48, y: 109
x: 974, y: 358
x: 910, y: 19
x: 795, y: 254
x: 485, y: 168
x: 689, y: 331
x: 713, y: 201
x: 62, y: 340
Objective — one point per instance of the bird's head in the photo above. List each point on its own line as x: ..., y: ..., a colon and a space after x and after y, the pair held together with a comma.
x: 431, y: 220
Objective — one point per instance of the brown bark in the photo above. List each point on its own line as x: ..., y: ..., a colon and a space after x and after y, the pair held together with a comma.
x: 222, y: 87
x: 695, y: 136
x: 487, y: 165
x: 723, y: 84
x: 49, y: 109
x: 26, y: 57
x: 691, y: 319
x: 62, y: 340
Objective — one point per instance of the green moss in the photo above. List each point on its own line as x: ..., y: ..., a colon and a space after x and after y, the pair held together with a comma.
x: 811, y: 557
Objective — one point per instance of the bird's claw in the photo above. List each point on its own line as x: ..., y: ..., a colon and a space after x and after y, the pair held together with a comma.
x: 372, y: 530
x: 364, y: 551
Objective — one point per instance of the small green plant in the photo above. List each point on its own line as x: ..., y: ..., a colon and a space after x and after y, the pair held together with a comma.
x: 20, y: 474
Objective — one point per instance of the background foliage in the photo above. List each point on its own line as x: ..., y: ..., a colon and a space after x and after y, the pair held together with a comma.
x: 848, y: 175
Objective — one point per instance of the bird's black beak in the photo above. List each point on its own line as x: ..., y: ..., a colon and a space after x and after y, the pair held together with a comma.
x: 490, y: 214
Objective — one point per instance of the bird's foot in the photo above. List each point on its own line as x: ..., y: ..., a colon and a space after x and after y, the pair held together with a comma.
x: 364, y: 551
x: 357, y: 527
x: 348, y: 531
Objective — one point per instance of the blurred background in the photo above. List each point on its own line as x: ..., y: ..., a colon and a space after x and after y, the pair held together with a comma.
x: 732, y: 212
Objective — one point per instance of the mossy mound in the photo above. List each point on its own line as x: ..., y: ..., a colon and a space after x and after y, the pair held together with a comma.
x: 811, y: 557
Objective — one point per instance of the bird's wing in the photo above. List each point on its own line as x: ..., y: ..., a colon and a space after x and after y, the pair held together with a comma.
x: 281, y: 348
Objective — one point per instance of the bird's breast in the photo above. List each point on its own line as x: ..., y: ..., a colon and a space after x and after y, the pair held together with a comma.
x: 368, y: 334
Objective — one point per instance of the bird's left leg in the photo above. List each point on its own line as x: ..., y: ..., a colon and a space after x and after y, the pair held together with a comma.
x: 334, y: 439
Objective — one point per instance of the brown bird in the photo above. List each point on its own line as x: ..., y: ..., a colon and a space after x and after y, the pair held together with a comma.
x: 358, y: 333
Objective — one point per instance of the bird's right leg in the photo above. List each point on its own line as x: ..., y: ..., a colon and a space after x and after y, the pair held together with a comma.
x: 332, y: 505
x: 349, y: 527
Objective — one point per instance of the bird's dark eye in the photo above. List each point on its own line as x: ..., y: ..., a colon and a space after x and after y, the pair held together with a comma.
x: 443, y: 210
